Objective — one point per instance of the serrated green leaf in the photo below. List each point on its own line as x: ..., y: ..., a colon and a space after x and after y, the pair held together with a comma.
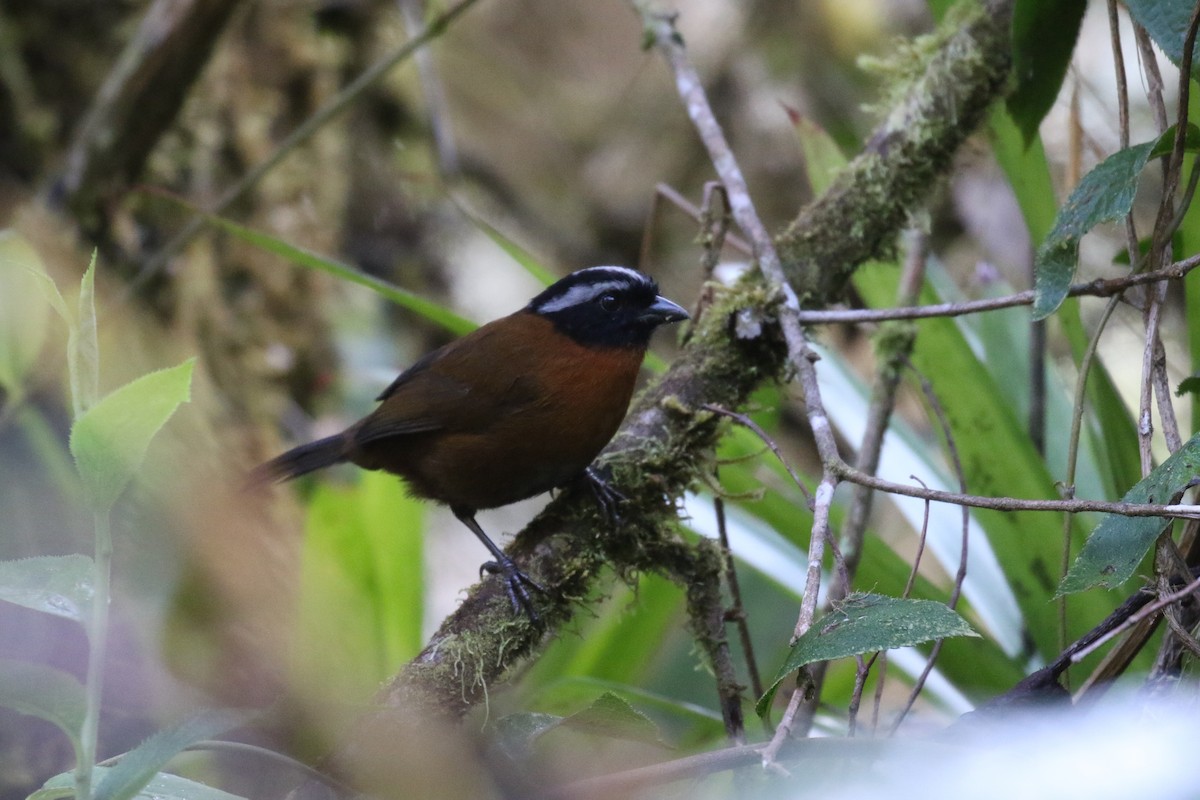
x: 1044, y: 34
x: 162, y: 786
x: 1167, y: 22
x: 45, y: 692
x: 1166, y: 143
x: 1189, y: 385
x: 139, y: 766
x: 1103, y: 195
x: 1118, y: 545
x: 111, y: 438
x: 866, y: 623
x: 58, y: 585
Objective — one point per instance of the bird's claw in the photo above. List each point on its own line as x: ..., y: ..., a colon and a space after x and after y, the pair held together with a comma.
x: 515, y: 582
x: 608, y: 499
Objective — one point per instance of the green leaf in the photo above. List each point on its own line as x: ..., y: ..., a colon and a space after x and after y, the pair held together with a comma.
x: 609, y: 715
x: 823, y: 159
x: 865, y: 623
x: 999, y: 458
x: 44, y: 692
x: 1167, y: 22
x: 310, y: 260
x: 1044, y: 35
x: 83, y: 347
x: 516, y: 733
x: 362, y: 585
x: 1119, y: 543
x: 139, y: 766
x: 110, y: 440
x: 24, y: 313
x: 58, y: 585
x: 517, y: 253
x: 1189, y: 385
x: 612, y: 716
x: 162, y: 786
x: 1103, y: 195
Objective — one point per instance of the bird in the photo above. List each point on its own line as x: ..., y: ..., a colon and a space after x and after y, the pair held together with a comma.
x: 519, y: 406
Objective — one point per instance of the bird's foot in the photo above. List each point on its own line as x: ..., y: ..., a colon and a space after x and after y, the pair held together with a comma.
x: 608, y: 499
x: 515, y: 582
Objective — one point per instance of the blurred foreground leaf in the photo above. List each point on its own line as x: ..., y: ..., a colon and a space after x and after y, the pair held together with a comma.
x: 139, y: 766
x: 45, y: 692
x: 24, y: 310
x: 163, y: 786
x: 58, y: 585
x: 111, y: 438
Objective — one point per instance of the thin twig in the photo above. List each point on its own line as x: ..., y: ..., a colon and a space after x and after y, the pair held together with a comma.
x: 1100, y: 287
x: 628, y: 783
x: 960, y: 576
x: 1068, y: 484
x: 737, y: 610
x: 1175, y: 511
x: 922, y: 536
x: 1147, y: 612
x: 745, y: 421
x: 686, y: 206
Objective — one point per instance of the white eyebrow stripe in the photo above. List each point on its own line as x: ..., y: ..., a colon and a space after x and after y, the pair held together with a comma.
x: 579, y: 294
x: 632, y: 274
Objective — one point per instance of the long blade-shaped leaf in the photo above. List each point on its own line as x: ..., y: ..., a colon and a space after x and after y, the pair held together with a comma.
x: 138, y: 767
x: 45, y: 692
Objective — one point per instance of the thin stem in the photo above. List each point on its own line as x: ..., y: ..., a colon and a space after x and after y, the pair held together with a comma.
x: 744, y: 420
x: 1175, y: 511
x: 1096, y: 288
x: 960, y: 576
x: 1147, y: 612
x: 738, y: 610
x: 1085, y: 370
x: 97, y: 648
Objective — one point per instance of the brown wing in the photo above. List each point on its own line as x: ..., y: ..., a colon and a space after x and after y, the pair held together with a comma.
x: 463, y: 386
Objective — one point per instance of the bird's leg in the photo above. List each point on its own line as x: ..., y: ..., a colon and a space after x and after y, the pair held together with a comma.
x: 608, y: 499
x: 515, y: 580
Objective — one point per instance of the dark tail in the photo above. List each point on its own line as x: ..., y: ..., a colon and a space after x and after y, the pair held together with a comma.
x: 299, y: 461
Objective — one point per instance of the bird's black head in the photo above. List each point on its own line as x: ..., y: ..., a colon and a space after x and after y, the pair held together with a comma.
x: 606, y: 307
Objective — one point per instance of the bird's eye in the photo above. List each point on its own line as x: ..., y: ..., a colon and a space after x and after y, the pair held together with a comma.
x: 609, y: 302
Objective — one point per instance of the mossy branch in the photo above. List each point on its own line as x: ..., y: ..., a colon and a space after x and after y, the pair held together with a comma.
x: 965, y: 68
